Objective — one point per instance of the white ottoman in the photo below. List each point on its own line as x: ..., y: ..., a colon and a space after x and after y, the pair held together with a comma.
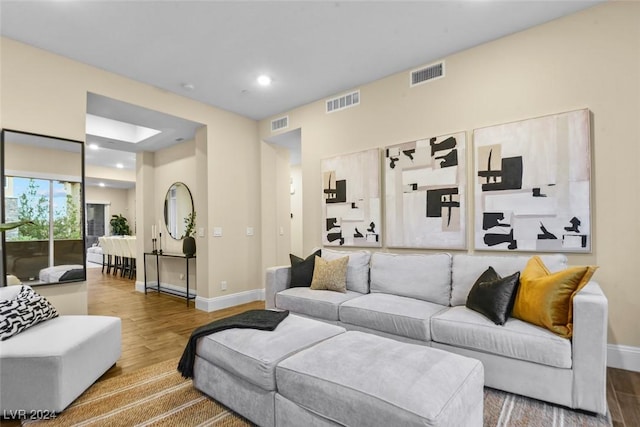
x: 49, y: 365
x: 237, y: 367
x: 359, y: 379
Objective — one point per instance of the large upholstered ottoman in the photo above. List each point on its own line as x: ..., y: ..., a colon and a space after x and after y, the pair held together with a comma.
x: 237, y: 367
x: 359, y: 379
x: 49, y: 365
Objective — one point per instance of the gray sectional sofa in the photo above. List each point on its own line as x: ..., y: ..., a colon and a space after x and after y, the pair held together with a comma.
x: 420, y: 298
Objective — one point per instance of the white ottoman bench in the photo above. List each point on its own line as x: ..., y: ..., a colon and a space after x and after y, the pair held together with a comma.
x: 359, y: 379
x: 47, y: 366
x: 237, y: 367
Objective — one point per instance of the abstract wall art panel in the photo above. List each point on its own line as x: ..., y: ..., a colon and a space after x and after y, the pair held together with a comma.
x: 532, y: 184
x: 351, y: 200
x: 425, y: 183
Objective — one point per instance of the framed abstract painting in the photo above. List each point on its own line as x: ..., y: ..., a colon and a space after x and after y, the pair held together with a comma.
x: 351, y: 200
x: 425, y: 192
x: 532, y: 184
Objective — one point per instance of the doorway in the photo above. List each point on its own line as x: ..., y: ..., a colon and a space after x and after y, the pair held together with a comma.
x: 292, y: 141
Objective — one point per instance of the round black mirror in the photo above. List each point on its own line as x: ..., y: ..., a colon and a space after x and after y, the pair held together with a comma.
x: 178, y: 205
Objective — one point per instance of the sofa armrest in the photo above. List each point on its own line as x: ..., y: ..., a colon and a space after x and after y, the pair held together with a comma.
x: 278, y: 279
x: 589, y: 349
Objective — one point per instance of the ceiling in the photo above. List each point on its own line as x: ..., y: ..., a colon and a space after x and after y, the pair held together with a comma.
x: 311, y: 49
x: 213, y: 51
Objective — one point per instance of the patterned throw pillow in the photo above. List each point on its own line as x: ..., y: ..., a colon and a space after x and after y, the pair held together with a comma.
x: 330, y: 275
x: 27, y: 309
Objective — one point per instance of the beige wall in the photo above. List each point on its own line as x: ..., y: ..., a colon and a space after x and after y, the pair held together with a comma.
x: 118, y: 200
x: 37, y: 160
x: 587, y: 60
x: 297, y: 241
x: 100, y: 172
x: 173, y: 164
x: 45, y: 93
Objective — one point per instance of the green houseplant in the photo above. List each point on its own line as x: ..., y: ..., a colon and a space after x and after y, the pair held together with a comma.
x: 188, y: 241
x: 119, y: 225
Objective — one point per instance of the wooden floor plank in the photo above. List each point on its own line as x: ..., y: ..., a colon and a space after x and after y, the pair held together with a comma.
x: 155, y: 327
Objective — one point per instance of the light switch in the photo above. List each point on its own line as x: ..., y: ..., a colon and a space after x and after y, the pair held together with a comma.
x: 201, y: 232
x: 217, y: 231
x: 249, y: 231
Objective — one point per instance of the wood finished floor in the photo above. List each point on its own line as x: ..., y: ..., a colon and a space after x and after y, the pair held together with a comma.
x: 156, y: 328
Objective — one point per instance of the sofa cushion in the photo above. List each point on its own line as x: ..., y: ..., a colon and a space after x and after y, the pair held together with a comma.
x: 425, y: 277
x: 546, y: 299
x: 461, y: 327
x: 467, y: 268
x: 253, y: 355
x: 302, y: 269
x: 358, y: 379
x: 24, y: 310
x: 357, y: 268
x: 330, y: 275
x: 407, y: 317
x: 493, y: 296
x: 315, y: 303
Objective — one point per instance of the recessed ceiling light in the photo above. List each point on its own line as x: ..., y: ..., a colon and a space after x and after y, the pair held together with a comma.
x: 264, y: 80
x: 94, y: 146
x: 119, y: 165
x: 188, y: 86
x: 101, y: 184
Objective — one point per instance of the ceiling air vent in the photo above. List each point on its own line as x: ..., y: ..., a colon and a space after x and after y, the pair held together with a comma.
x: 426, y: 74
x: 343, y: 101
x: 280, y: 123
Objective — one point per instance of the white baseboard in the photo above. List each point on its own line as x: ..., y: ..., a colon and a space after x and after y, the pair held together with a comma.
x: 218, y: 303
x: 623, y: 357
x: 140, y: 287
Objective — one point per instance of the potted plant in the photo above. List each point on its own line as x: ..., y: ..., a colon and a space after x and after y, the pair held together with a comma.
x: 188, y: 241
x: 119, y: 225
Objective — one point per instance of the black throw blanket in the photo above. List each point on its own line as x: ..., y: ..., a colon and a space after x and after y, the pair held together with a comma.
x: 265, y: 320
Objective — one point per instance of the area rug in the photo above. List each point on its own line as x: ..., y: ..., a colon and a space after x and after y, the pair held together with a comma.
x: 158, y: 396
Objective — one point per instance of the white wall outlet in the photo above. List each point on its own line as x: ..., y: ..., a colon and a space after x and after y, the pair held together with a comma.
x: 201, y: 232
x: 181, y: 276
x: 282, y: 231
x: 249, y: 231
x: 223, y: 285
x: 217, y: 231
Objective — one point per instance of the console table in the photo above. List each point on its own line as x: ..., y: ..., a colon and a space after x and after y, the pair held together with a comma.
x: 164, y: 289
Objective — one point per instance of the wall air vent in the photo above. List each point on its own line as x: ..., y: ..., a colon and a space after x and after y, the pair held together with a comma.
x: 343, y: 101
x: 281, y: 123
x: 432, y: 72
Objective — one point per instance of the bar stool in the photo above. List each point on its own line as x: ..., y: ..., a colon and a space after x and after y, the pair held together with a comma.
x: 131, y: 241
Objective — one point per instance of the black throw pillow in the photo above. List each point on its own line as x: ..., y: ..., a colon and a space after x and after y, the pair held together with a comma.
x: 302, y: 269
x: 493, y: 296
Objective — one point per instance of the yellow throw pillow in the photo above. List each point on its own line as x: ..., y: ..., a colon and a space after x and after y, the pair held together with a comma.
x: 546, y: 299
x: 330, y: 275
